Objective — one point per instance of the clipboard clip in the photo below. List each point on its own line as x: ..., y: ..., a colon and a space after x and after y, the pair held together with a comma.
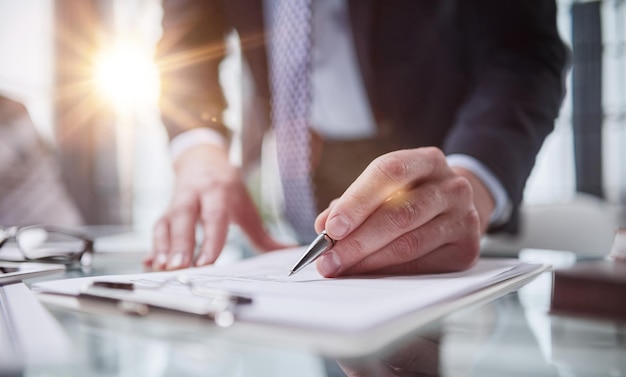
x: 138, y: 299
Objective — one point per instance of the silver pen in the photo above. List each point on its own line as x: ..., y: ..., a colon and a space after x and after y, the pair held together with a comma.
x: 321, y: 244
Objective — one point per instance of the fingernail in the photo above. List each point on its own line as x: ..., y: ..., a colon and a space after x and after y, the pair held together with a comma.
x: 161, y: 260
x: 337, y: 227
x: 329, y: 264
x: 175, y: 262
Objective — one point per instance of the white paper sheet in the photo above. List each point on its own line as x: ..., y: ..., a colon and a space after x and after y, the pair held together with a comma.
x: 29, y: 334
x: 307, y: 299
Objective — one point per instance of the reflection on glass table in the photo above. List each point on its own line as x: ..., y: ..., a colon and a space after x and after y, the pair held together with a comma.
x: 511, y: 336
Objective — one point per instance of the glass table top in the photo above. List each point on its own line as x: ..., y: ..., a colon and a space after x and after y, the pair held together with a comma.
x: 513, y: 335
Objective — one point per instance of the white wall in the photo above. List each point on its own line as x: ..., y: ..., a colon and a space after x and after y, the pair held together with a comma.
x: 26, y: 57
x: 553, y: 179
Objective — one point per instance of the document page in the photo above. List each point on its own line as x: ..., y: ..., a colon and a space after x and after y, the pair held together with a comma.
x: 29, y: 334
x: 309, y: 300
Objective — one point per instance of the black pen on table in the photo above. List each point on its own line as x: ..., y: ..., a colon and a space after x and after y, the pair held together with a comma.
x: 321, y: 244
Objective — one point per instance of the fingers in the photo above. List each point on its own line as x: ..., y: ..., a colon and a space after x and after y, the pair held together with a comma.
x: 174, y: 235
x: 160, y: 246
x: 214, y: 206
x: 448, y: 258
x: 398, y: 216
x: 386, y: 175
x: 214, y: 220
x: 182, y: 235
x: 218, y: 210
x: 428, y: 224
x: 442, y: 245
x: 394, y: 218
x: 320, y: 221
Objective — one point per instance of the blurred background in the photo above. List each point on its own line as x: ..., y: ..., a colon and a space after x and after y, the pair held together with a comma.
x: 83, y: 70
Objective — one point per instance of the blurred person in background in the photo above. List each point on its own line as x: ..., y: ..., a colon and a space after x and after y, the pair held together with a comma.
x: 31, y: 188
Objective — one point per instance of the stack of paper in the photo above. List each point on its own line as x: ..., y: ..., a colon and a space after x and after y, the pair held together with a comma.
x: 29, y: 335
x: 307, y: 300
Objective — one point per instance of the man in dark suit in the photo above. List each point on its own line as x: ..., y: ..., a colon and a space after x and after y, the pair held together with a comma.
x: 461, y: 95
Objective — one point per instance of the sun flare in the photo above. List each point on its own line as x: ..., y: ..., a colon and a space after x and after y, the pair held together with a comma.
x: 127, y: 76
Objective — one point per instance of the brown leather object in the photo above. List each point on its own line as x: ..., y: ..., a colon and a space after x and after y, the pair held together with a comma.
x: 591, y: 289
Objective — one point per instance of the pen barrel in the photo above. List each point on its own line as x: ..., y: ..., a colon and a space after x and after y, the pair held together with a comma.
x: 319, y: 246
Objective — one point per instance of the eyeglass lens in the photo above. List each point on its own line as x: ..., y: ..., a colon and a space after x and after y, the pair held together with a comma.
x: 40, y: 243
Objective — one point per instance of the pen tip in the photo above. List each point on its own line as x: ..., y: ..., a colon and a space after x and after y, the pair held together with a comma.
x: 291, y: 273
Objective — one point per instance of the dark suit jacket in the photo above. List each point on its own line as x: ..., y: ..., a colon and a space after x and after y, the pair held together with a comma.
x: 481, y: 77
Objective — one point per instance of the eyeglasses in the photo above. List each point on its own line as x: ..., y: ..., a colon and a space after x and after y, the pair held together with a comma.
x: 46, y: 244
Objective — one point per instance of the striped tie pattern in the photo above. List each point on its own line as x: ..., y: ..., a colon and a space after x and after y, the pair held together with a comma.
x: 290, y: 66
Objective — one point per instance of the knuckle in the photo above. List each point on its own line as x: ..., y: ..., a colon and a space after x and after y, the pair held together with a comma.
x: 209, y: 213
x: 435, y: 158
x: 228, y: 184
x: 182, y: 246
x: 181, y: 209
x: 472, y: 219
x: 461, y: 188
x: 402, y: 214
x: 433, y: 153
x: 353, y: 251
x: 405, y: 247
x: 393, y: 167
x: 228, y: 179
x: 159, y: 248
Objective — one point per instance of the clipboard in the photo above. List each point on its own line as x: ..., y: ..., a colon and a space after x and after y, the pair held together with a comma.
x: 326, y: 343
x: 217, y: 305
x: 350, y: 316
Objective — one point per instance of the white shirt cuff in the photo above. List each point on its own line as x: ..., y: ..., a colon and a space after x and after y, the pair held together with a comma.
x: 193, y: 138
x: 503, y: 206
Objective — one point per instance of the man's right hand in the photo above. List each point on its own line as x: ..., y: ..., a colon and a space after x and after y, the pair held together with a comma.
x: 209, y: 190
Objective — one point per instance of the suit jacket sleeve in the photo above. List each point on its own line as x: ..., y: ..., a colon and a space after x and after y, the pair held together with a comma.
x: 188, y: 56
x: 517, y: 62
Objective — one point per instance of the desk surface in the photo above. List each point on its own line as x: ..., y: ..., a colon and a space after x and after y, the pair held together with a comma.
x: 511, y: 336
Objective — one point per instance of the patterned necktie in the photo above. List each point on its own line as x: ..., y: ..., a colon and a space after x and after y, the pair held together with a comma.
x: 290, y: 66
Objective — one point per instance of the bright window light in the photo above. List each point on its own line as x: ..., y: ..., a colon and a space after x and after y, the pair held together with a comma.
x: 127, y: 76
